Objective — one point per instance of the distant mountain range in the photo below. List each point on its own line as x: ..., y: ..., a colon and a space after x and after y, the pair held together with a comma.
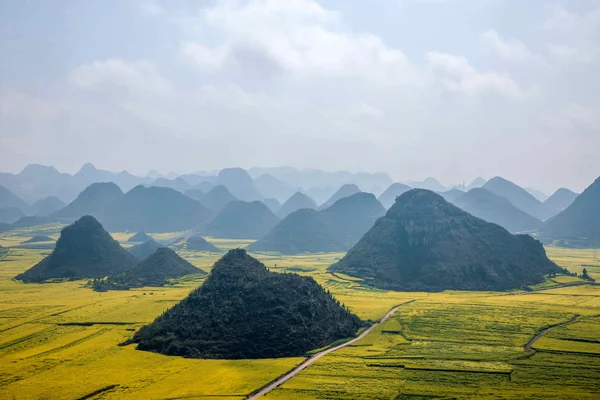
x: 344, y: 191
x: 296, y: 202
x: 497, y: 209
x: 388, y: 197
x: 336, y: 228
x: 241, y: 220
x: 36, y: 182
x: 579, y: 224
x: 283, y: 190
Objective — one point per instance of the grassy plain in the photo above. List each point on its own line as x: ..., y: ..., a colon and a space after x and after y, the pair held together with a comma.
x: 60, y: 340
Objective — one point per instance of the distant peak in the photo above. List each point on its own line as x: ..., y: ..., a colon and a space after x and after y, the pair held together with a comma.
x: 87, y: 167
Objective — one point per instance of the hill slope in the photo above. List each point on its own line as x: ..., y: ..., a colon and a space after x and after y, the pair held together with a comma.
x: 241, y: 220
x: 273, y: 205
x: 38, y: 239
x: 155, y: 270
x: 452, y: 195
x: 498, y: 210
x: 344, y: 191
x: 558, y: 201
x: 269, y: 186
x: 388, y: 197
x: 580, y: 221
x: 296, y: 202
x: 8, y: 199
x: 84, y: 250
x: 47, y: 206
x: 139, y: 237
x: 337, y: 228
x: 90, y: 201
x: 217, y: 198
x: 145, y: 249
x: 291, y: 315
x: 425, y: 243
x: 153, y: 209
x: 239, y: 183
x: 198, y: 243
x: 518, y: 196
x: 9, y: 215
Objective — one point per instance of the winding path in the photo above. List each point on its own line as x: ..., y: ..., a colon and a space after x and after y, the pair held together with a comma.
x: 528, y: 346
x: 309, y: 361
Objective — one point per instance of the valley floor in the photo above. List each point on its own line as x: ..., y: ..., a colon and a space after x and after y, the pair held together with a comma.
x: 60, y: 340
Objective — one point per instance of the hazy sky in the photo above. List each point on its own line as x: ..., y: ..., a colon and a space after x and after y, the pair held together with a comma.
x: 446, y: 88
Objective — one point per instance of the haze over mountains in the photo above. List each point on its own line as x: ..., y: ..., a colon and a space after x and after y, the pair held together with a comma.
x: 241, y: 220
x: 336, y: 228
x: 195, y: 201
x: 388, y: 197
x: 578, y: 224
x: 497, y: 209
x: 344, y: 191
x: 296, y: 202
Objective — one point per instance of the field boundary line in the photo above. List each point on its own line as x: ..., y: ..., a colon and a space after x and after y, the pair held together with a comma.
x: 311, y: 360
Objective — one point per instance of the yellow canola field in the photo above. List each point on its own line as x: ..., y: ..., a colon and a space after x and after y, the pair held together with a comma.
x: 60, y: 341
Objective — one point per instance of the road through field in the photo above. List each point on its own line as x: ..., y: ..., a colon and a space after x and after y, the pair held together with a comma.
x: 309, y: 361
x: 528, y: 346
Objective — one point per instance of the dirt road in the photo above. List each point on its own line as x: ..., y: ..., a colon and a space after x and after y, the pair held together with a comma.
x: 528, y: 346
x: 309, y: 361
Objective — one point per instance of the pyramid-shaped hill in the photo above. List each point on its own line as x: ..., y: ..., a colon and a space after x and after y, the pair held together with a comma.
x: 155, y: 270
x: 217, y: 198
x: 335, y: 229
x: 352, y: 216
x: 518, y: 196
x: 47, y: 206
x: 296, y: 202
x: 424, y: 243
x: 560, y: 200
x: 243, y: 311
x: 154, y: 209
x: 145, y: 249
x: 91, y: 201
x: 579, y: 224
x: 388, y: 197
x: 198, y: 243
x: 84, y: 250
x: 344, y: 191
x: 241, y: 220
x: 240, y: 184
x: 139, y: 237
x: 493, y: 208
x: 39, y: 239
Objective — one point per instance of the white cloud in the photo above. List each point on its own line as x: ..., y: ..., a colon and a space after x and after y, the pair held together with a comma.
x: 297, y: 36
x: 129, y: 76
x: 210, y: 58
x: 575, y: 37
x: 511, y: 50
x: 456, y: 74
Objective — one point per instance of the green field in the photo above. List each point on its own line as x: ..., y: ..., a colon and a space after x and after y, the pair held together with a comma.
x: 61, y: 340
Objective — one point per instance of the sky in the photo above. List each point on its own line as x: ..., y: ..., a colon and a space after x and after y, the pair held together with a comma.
x: 453, y: 89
